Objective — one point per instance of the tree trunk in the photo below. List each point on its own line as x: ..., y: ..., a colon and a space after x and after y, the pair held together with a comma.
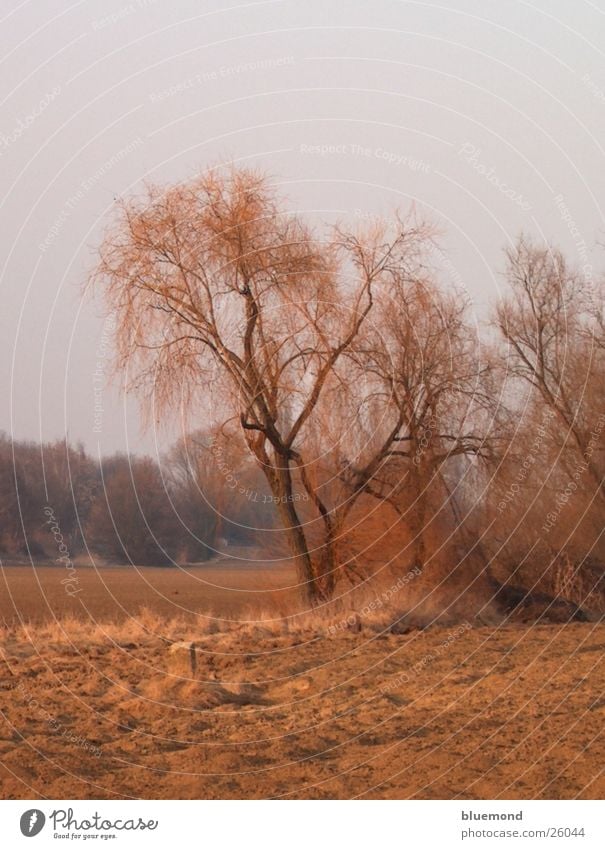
x: 282, y: 490
x: 326, y: 578
x: 417, y: 520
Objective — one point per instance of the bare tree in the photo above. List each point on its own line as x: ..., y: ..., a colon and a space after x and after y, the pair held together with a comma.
x: 551, y: 336
x: 213, y: 285
x: 434, y: 374
x: 218, y: 492
x: 187, y: 472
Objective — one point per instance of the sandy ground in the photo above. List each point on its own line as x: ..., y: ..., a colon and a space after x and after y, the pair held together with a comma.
x: 478, y: 712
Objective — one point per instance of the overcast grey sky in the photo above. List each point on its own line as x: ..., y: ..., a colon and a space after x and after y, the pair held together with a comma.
x: 490, y: 116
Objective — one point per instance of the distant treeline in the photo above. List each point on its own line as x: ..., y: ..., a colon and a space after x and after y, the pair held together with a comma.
x: 127, y: 508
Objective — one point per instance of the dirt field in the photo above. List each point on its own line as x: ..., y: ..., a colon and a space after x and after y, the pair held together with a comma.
x: 472, y: 712
x: 29, y: 594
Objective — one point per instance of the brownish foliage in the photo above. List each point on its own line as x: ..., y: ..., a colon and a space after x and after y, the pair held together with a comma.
x: 348, y: 370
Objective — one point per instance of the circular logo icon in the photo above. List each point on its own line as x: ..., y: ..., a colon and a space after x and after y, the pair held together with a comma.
x: 32, y: 822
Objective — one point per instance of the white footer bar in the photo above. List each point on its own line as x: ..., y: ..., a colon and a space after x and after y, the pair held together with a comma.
x: 303, y: 824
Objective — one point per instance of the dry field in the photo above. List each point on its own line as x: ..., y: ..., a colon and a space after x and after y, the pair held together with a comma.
x: 110, y: 711
x: 118, y: 593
